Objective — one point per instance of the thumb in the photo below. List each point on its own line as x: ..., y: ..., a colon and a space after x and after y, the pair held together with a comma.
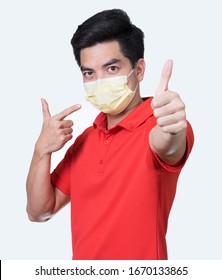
x: 165, y: 77
x: 45, y: 109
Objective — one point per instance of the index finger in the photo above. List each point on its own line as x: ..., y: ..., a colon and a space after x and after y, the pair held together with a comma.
x: 67, y: 112
x: 165, y: 77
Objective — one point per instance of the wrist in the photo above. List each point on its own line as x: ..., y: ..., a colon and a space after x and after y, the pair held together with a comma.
x: 41, y: 152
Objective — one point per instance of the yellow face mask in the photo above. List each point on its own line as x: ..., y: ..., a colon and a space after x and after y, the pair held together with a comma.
x: 110, y: 95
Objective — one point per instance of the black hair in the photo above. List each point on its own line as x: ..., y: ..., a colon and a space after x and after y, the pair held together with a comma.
x: 110, y: 25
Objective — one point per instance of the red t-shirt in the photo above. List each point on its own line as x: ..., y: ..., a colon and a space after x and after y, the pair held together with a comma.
x: 121, y: 192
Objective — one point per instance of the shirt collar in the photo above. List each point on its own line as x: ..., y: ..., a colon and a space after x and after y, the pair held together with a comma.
x: 130, y: 122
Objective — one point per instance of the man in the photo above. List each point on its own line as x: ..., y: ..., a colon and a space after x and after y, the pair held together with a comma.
x: 121, y: 173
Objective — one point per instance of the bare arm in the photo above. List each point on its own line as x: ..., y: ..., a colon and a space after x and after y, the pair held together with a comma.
x: 43, y: 199
x: 168, y: 138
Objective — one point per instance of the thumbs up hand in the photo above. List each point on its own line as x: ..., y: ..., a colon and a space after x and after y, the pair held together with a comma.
x: 168, y: 108
x: 56, y: 131
x: 168, y: 138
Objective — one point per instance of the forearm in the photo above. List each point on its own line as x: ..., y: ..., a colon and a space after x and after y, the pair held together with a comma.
x: 40, y: 192
x: 43, y: 199
x: 169, y: 147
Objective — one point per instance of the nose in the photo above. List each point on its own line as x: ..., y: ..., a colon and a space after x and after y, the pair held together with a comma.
x: 101, y: 75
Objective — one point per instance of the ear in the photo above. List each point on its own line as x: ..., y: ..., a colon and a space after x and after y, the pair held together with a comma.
x: 140, y: 69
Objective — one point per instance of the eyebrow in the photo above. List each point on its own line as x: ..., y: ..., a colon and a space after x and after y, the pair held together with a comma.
x: 108, y: 63
x: 111, y: 61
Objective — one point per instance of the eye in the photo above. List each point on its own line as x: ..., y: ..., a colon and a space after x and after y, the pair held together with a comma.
x: 88, y: 74
x: 112, y: 69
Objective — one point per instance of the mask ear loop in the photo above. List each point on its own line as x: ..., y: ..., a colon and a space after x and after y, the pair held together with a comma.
x: 130, y: 73
x: 136, y: 88
x: 137, y: 82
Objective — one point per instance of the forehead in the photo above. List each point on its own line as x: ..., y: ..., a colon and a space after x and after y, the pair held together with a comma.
x: 100, y: 53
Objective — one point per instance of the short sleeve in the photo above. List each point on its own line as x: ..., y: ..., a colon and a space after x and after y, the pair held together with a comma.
x: 189, y: 145
x: 60, y: 177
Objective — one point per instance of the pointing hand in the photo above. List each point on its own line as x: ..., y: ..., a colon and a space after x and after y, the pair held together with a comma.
x: 56, y: 131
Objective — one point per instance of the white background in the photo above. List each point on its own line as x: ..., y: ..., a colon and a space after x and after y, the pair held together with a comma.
x: 36, y: 61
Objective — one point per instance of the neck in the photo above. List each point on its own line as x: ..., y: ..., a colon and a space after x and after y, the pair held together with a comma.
x: 114, y: 120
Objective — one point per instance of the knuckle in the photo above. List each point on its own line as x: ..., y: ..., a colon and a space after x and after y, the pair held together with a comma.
x: 184, y: 125
x: 165, y: 129
x: 181, y: 115
x: 156, y: 113
x: 62, y: 138
x: 68, y: 137
x: 160, y: 121
x: 178, y: 104
x: 67, y: 123
x: 70, y: 123
x: 153, y: 103
x: 182, y: 105
x: 174, y: 94
x: 68, y: 131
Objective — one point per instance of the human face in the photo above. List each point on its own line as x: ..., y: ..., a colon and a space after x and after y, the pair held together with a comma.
x: 105, y: 60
